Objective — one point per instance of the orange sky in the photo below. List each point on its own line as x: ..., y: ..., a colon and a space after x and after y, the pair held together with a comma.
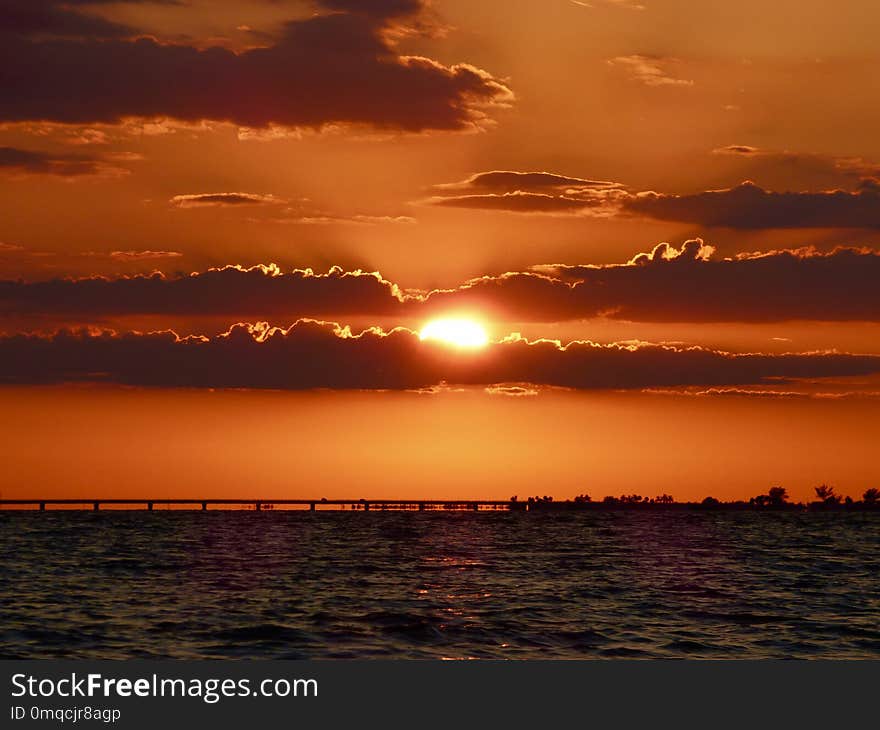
x: 403, y: 137
x: 82, y: 442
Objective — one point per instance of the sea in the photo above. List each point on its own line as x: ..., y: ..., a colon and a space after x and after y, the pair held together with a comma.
x: 452, y: 585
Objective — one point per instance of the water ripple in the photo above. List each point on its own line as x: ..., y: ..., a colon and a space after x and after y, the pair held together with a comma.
x: 430, y: 585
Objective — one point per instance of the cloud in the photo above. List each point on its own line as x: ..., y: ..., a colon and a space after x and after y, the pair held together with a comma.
x: 300, y: 213
x: 649, y: 70
x: 667, y: 284
x: 319, y: 219
x: 516, y: 202
x: 827, y: 170
x: 743, y: 150
x: 144, y: 255
x: 376, y: 8
x: 15, y: 256
x: 850, y: 165
x: 234, y: 291
x: 330, y: 68
x: 89, y: 137
x: 763, y: 393
x: 512, y: 390
x: 688, y: 284
x: 129, y: 255
x: 312, y: 354
x: 38, y: 162
x: 527, y: 192
x: 507, y: 181
x: 57, y: 18
x: 748, y: 206
x: 631, y: 4
x: 211, y: 200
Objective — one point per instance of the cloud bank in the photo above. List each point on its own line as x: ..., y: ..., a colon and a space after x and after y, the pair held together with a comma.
x: 746, y: 206
x: 340, y: 66
x: 667, y: 284
x: 312, y: 354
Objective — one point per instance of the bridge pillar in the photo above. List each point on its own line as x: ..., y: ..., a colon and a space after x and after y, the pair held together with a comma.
x: 150, y: 506
x: 311, y: 507
x: 42, y: 506
x: 258, y: 506
x: 96, y: 506
x: 204, y: 506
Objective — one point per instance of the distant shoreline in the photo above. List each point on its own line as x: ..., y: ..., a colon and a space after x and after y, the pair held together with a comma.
x: 772, y: 502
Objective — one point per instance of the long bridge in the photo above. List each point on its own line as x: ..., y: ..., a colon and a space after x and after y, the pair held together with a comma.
x: 473, y: 505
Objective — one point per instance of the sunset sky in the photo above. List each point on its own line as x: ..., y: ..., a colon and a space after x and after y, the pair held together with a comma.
x: 225, y: 226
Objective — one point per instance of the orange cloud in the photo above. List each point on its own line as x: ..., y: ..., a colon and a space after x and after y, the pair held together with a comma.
x: 649, y: 70
x: 40, y: 162
x: 210, y: 200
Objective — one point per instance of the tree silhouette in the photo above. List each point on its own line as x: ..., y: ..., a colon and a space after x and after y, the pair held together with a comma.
x: 871, y: 496
x: 826, y: 494
x: 631, y: 498
x: 777, y: 496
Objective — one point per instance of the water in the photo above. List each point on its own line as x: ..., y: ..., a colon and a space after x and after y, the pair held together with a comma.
x: 429, y: 585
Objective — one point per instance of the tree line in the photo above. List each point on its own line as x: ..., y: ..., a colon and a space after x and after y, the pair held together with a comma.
x: 776, y: 498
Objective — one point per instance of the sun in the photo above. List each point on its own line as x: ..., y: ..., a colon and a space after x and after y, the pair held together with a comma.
x: 458, y: 332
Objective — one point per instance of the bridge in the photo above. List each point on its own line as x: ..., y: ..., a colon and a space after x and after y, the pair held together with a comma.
x: 259, y: 505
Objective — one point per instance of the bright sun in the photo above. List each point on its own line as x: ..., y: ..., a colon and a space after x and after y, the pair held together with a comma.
x: 456, y: 332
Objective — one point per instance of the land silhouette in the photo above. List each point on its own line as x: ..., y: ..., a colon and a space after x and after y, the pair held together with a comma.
x: 775, y: 500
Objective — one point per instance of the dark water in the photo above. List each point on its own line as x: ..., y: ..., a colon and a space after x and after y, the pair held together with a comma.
x: 300, y: 585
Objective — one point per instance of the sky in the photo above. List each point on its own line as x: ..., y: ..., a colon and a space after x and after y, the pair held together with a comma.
x: 225, y: 225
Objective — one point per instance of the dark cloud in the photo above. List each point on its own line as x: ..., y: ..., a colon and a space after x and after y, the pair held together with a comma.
x: 748, y: 206
x: 65, y: 18
x: 526, y: 192
x: 375, y: 8
x: 688, y: 284
x: 509, y: 181
x: 39, y: 162
x: 313, y: 354
x: 207, y: 200
x: 338, y: 67
x: 58, y: 18
x: 260, y: 291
